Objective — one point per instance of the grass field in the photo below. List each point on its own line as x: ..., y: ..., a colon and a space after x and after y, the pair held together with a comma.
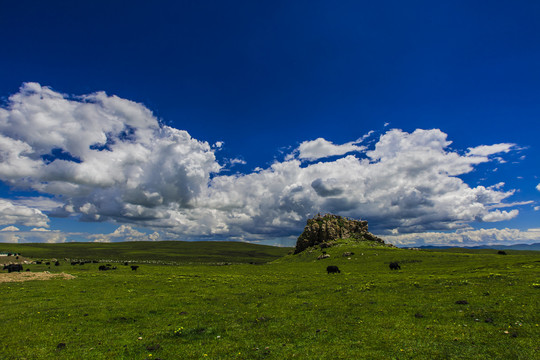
x: 163, y: 252
x: 440, y: 305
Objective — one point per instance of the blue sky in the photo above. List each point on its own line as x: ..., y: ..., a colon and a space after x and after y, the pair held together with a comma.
x: 239, y: 120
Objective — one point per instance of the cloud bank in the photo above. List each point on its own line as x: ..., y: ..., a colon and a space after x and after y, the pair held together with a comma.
x: 102, y: 158
x: 12, y: 234
x: 468, y: 238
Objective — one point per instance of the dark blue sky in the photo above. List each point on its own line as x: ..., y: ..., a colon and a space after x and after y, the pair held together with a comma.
x: 265, y: 76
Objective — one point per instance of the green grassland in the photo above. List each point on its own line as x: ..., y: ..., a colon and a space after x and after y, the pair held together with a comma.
x: 286, y: 308
x: 162, y: 252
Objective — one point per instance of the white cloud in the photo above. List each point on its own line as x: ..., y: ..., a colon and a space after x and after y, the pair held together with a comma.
x: 467, y: 238
x: 12, y: 234
x: 321, y: 148
x: 33, y: 236
x: 486, y: 150
x: 39, y: 229
x: 538, y: 187
x: 125, y: 233
x: 108, y: 158
x: 11, y: 213
x: 498, y: 215
x: 41, y: 203
x: 505, y: 205
x: 237, y: 161
x: 103, y: 158
x: 409, y: 182
x: 10, y: 228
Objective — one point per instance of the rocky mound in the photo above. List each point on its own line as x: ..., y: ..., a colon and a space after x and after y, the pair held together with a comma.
x: 324, y: 230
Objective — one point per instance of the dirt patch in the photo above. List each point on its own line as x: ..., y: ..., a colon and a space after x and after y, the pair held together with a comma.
x: 27, y: 276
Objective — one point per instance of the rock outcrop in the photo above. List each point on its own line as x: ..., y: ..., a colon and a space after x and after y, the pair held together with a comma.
x: 324, y: 230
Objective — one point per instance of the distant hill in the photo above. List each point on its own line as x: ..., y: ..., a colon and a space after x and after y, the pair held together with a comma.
x: 153, y: 251
x: 532, y: 247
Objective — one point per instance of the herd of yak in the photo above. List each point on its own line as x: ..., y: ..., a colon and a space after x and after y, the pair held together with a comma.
x: 332, y: 269
x: 18, y: 267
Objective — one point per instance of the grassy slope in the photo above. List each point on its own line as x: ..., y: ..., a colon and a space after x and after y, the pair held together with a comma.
x: 287, y: 309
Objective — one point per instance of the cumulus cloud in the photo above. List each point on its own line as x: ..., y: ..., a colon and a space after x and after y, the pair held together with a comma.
x: 125, y: 233
x: 108, y: 157
x: 467, y: 238
x: 408, y: 181
x: 32, y: 236
x: 498, y: 215
x: 12, y: 213
x: 102, y: 158
x: 538, y: 187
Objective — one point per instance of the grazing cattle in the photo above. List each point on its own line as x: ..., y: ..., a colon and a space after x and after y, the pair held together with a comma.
x: 134, y: 267
x: 501, y: 252
x: 126, y: 263
x: 104, y: 267
x: 332, y: 269
x: 47, y: 263
x: 13, y: 267
x: 395, y: 266
x: 74, y: 263
x: 57, y: 263
x: 38, y: 262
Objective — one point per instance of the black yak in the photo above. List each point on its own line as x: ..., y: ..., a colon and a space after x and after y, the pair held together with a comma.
x: 395, y: 266
x: 13, y: 267
x: 134, y: 267
x: 332, y: 269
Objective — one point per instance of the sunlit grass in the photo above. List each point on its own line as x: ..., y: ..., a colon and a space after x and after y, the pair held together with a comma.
x: 290, y: 308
